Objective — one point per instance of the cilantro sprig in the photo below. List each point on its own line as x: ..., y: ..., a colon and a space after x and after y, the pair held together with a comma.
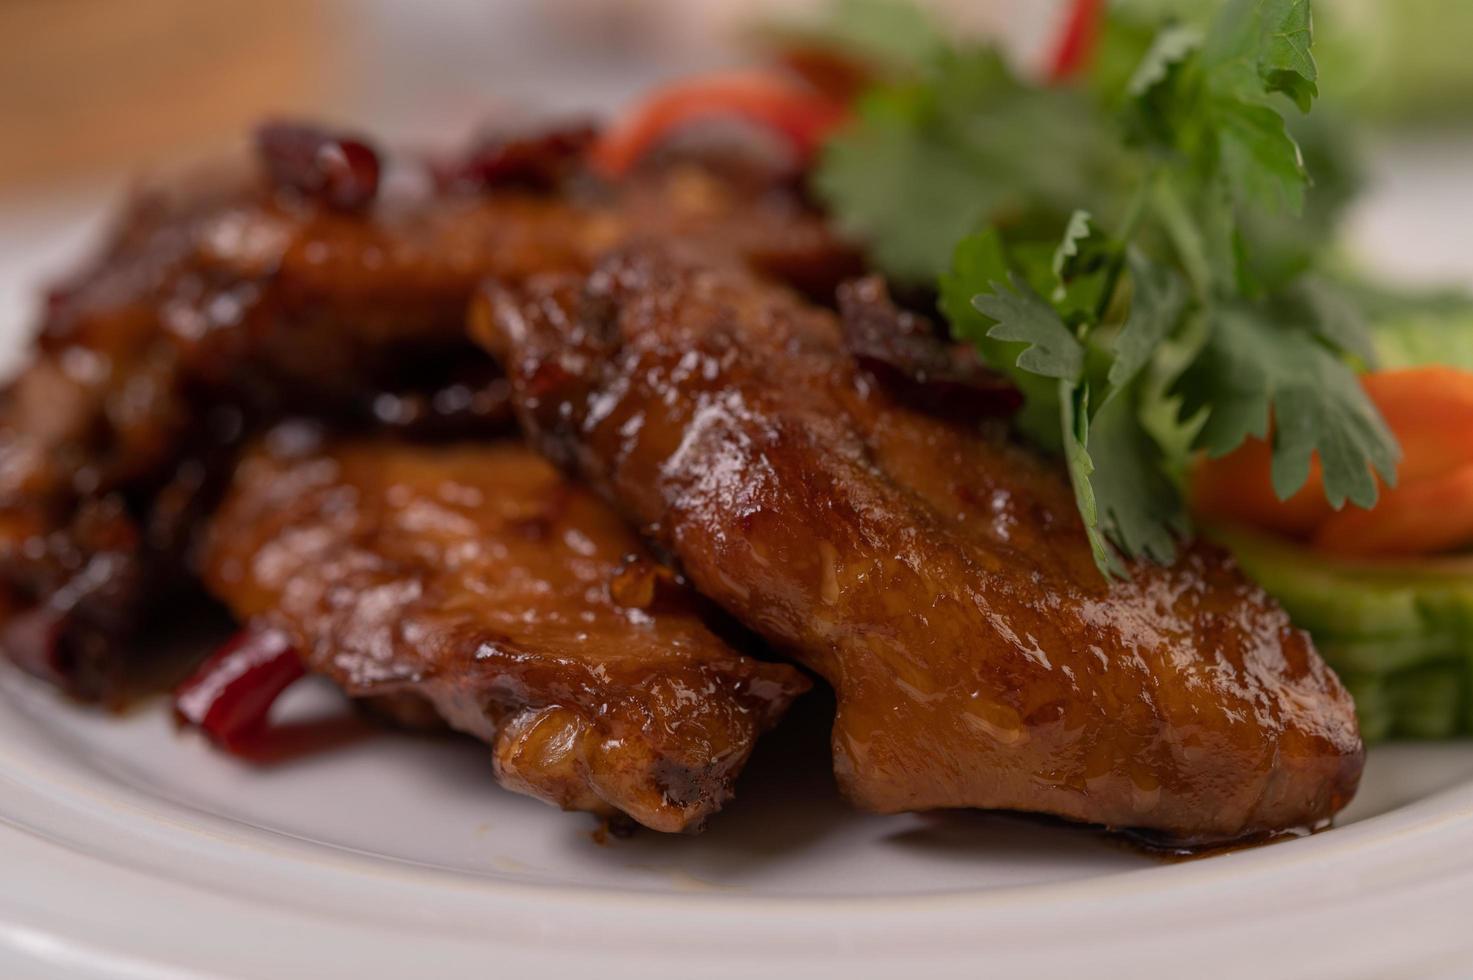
x: 1138, y: 253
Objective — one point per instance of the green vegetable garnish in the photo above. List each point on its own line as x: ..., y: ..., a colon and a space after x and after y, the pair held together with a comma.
x: 1411, y: 329
x: 1137, y: 252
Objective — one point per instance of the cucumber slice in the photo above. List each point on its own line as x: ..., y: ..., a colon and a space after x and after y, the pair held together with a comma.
x: 1384, y: 654
x: 1427, y: 701
x: 1360, y: 599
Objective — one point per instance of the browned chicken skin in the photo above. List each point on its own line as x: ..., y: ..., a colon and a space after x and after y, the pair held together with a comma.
x: 832, y: 488
x: 208, y: 312
x: 220, y: 306
x: 935, y: 573
x: 514, y: 601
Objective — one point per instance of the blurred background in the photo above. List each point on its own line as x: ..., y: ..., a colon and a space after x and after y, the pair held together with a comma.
x: 92, y: 91
x: 88, y: 87
x: 93, y: 86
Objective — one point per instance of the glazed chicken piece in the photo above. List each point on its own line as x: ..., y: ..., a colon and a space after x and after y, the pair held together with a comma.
x: 931, y: 570
x: 515, y: 602
x: 231, y: 301
x: 212, y: 310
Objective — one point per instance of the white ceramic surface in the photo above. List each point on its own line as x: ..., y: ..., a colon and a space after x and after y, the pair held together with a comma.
x: 128, y: 849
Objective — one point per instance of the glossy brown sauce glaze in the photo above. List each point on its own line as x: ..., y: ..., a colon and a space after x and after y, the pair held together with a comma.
x: 223, y: 303
x: 479, y: 579
x: 933, y: 571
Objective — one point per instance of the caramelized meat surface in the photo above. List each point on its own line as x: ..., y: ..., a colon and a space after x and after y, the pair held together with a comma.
x: 935, y: 573
x: 512, y: 600
x: 224, y: 305
x: 208, y: 313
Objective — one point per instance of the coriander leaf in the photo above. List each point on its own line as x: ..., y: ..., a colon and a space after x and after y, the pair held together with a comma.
x: 925, y: 163
x: 1124, y: 36
x: 896, y: 34
x: 892, y: 36
x: 1184, y: 233
x: 1334, y: 317
x: 1286, y: 62
x: 1261, y: 161
x: 980, y: 260
x: 977, y: 260
x: 1180, y: 149
x: 1125, y: 498
x: 1282, y: 246
x: 1227, y: 252
x: 967, y: 82
x: 1251, y: 367
x: 1080, y: 271
x: 1076, y: 232
x: 1139, y: 507
x: 1263, y: 46
x: 1023, y: 316
x: 1033, y: 261
x: 1211, y: 113
x: 1157, y: 298
x: 891, y: 182
x: 1074, y: 421
x: 1170, y: 48
x: 1230, y: 387
x: 1342, y: 427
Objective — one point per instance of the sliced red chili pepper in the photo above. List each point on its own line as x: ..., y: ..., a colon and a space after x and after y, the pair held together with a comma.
x: 1076, y: 43
x: 231, y: 694
x: 335, y: 169
x: 539, y: 158
x: 801, y: 115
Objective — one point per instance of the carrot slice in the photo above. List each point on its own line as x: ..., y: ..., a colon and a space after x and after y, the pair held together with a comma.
x: 1237, y: 488
x: 1416, y: 517
x: 798, y: 113
x: 1431, y: 411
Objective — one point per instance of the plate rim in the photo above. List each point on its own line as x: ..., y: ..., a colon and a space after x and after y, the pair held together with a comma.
x: 107, y: 830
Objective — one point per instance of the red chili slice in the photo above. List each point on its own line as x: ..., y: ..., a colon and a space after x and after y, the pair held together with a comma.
x: 1076, y: 42
x: 539, y: 158
x: 335, y: 169
x: 798, y: 113
x: 231, y: 694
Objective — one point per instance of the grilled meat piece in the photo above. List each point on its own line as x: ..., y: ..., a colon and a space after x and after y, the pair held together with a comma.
x: 934, y: 572
x: 206, y: 315
x: 223, y: 305
x: 513, y: 601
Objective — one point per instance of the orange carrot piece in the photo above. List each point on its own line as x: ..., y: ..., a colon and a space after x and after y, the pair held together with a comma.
x: 1416, y: 517
x: 1237, y: 487
x: 1431, y: 411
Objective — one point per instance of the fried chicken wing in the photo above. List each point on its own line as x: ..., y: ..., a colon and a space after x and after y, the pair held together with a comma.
x: 227, y: 302
x: 212, y: 310
x: 515, y: 602
x: 934, y: 572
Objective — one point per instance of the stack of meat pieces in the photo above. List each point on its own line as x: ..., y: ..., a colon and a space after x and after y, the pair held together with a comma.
x: 300, y: 392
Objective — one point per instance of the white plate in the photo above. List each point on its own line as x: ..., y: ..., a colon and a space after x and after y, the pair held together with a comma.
x: 130, y: 849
